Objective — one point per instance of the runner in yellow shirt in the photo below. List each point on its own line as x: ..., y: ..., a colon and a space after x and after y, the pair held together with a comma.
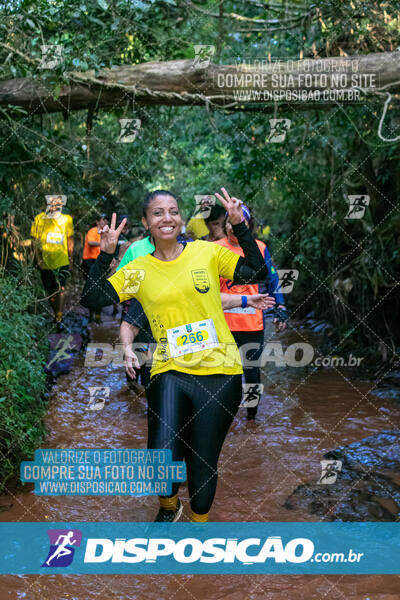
x: 195, y: 387
x: 210, y: 228
x: 53, y: 233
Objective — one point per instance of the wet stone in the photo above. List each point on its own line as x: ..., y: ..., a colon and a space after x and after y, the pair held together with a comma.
x: 389, y: 387
x: 367, y: 487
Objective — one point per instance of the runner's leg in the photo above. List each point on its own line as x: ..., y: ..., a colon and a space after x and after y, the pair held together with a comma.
x: 252, y: 373
x: 61, y: 276
x: 168, y: 413
x: 50, y: 286
x: 86, y: 266
x: 215, y: 400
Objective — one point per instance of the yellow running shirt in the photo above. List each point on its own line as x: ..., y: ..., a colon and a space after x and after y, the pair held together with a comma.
x: 53, y: 236
x: 198, y: 227
x: 182, y: 301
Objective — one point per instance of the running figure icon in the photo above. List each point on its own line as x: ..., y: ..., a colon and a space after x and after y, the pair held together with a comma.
x: 61, y: 551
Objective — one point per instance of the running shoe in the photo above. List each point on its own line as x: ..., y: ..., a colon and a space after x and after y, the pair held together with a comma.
x: 135, y: 387
x: 169, y: 516
x: 61, y: 327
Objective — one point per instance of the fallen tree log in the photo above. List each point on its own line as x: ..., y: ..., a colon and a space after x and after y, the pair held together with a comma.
x: 185, y: 83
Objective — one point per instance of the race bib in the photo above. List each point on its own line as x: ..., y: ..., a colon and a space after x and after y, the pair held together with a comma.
x: 249, y: 310
x: 54, y: 237
x: 192, y: 337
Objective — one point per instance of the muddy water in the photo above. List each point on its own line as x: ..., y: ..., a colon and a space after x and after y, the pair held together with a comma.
x: 303, y: 414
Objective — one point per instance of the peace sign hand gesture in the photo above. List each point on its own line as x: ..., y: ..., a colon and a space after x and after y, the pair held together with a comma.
x: 109, y: 235
x: 233, y: 207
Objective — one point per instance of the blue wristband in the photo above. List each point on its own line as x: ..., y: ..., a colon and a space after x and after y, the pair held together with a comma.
x: 244, y: 301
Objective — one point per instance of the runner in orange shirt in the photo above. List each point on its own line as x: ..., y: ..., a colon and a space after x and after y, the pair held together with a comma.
x: 247, y: 323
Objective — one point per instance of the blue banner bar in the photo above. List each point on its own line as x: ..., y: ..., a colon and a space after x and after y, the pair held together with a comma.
x: 210, y: 548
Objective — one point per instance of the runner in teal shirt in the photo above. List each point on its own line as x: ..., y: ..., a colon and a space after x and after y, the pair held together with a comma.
x: 139, y: 248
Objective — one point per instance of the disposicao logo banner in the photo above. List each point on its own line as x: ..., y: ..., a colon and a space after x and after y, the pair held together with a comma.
x: 213, y: 548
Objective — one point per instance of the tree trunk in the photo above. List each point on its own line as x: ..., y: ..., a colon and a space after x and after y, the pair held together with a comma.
x: 185, y: 83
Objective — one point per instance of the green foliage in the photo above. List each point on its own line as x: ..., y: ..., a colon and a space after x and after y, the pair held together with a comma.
x: 22, y: 379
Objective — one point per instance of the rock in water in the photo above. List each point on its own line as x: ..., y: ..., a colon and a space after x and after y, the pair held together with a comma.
x: 367, y: 488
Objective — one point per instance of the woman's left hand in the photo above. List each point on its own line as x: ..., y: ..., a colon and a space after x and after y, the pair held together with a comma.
x: 232, y: 205
x: 260, y: 301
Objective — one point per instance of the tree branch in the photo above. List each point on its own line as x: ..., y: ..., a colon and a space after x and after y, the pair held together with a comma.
x: 237, y: 17
x: 276, y: 7
x: 28, y: 59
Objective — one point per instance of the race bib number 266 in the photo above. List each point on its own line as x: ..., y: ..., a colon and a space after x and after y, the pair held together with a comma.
x: 192, y: 337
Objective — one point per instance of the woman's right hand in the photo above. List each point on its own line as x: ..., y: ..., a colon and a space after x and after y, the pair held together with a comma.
x: 130, y: 361
x: 109, y: 235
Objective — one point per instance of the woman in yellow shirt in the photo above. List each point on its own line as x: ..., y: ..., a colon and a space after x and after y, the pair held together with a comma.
x: 195, y: 388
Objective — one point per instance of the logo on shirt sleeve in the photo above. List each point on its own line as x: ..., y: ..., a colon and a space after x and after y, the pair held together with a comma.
x: 201, y: 280
x: 133, y: 277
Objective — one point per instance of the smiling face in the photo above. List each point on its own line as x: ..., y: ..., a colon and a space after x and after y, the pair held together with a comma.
x: 163, y: 218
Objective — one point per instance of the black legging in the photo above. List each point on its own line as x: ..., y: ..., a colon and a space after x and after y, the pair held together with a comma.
x: 86, y: 265
x: 191, y: 415
x: 252, y: 373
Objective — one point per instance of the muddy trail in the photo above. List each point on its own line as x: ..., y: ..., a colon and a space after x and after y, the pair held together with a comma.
x: 304, y: 413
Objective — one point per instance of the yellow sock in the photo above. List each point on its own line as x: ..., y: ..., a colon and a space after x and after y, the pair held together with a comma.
x: 59, y: 317
x: 195, y: 518
x: 169, y: 503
